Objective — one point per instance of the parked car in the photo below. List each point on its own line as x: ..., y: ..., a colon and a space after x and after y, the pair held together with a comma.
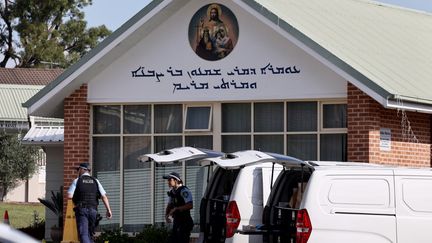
x: 348, y: 202
x: 236, y: 192
x: 11, y: 235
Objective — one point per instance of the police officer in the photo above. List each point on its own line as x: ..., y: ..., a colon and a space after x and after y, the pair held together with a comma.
x: 85, y: 192
x: 178, y: 208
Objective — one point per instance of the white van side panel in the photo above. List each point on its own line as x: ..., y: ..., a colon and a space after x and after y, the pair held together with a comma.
x: 414, y: 208
x: 351, y: 206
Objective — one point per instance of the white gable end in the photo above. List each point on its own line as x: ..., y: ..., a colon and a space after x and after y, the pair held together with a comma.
x: 264, y: 65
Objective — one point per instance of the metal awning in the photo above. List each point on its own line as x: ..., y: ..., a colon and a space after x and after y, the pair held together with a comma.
x: 44, y: 135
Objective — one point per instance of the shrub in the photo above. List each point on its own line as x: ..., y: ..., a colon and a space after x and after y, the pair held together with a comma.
x: 36, y: 228
x: 113, y: 236
x: 152, y: 233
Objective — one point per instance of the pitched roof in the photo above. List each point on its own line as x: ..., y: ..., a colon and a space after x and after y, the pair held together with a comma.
x: 28, y: 76
x: 388, y: 49
x: 383, y: 50
x: 12, y: 96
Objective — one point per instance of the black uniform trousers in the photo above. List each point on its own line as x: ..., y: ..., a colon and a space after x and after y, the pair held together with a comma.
x: 181, y: 230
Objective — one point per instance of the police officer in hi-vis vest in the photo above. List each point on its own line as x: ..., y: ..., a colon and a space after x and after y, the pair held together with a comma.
x: 178, y: 208
x: 85, y: 192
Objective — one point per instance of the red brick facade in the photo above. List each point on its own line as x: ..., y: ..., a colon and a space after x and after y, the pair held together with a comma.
x: 409, y: 147
x: 76, y: 134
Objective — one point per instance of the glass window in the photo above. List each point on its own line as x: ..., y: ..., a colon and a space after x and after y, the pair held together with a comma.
x: 106, y: 158
x: 233, y: 143
x: 236, y: 117
x: 334, y: 116
x: 196, y: 181
x: 106, y: 119
x: 168, y: 118
x: 269, y: 143
x: 167, y: 142
x: 268, y: 117
x: 136, y: 184
x: 137, y: 119
x: 198, y: 118
x: 302, y: 146
x: 333, y: 147
x: 302, y: 116
x: 205, y: 142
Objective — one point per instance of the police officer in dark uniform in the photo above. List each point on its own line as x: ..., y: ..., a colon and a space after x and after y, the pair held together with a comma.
x: 85, y: 192
x: 178, y: 208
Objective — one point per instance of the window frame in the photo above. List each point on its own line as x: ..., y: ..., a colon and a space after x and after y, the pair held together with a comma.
x: 209, y: 123
x: 331, y: 130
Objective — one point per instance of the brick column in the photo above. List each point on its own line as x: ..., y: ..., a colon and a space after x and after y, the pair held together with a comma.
x: 363, y: 126
x: 76, y: 135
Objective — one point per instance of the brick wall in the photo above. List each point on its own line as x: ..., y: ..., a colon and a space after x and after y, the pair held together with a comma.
x: 366, y: 117
x: 76, y: 135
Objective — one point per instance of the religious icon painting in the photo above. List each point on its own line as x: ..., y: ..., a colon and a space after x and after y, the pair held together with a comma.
x: 213, y: 32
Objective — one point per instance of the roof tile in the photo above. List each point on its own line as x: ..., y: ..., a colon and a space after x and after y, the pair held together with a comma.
x: 28, y: 76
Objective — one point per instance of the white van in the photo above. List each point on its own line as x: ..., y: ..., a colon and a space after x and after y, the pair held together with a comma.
x: 235, y: 194
x: 347, y: 202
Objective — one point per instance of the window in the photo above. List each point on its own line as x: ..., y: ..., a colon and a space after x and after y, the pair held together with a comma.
x: 136, y: 209
x: 106, y: 150
x: 136, y: 119
x: 268, y: 117
x: 334, y: 116
x: 302, y: 116
x: 302, y: 146
x: 309, y: 130
x: 269, y: 143
x: 106, y: 119
x: 168, y: 118
x: 333, y: 147
x: 236, y: 117
x: 198, y: 118
x: 122, y: 133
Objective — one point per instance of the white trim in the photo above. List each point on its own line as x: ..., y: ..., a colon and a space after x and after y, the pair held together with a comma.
x: 332, y: 130
x: 406, y: 105
x: 209, y: 123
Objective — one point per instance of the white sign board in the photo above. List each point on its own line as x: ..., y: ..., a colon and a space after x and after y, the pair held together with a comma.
x: 385, y: 139
x: 263, y: 65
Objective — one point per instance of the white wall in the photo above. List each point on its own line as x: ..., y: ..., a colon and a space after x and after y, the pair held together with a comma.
x: 258, y: 45
x: 36, y: 189
x: 54, y: 179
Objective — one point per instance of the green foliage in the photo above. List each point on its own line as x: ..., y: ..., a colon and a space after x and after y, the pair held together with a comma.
x: 34, y: 32
x: 152, y: 233
x: 37, y: 228
x: 55, y: 205
x: 17, y: 162
x: 113, y: 236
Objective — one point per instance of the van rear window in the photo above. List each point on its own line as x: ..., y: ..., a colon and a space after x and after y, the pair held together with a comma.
x: 223, y: 183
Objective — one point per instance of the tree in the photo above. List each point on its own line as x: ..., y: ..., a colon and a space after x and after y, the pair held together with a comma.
x: 34, y: 32
x: 17, y: 162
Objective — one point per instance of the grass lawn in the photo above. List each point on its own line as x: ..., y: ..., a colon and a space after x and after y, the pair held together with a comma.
x: 22, y: 214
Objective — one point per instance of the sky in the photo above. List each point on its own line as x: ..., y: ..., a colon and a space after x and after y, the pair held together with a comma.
x: 114, y: 13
